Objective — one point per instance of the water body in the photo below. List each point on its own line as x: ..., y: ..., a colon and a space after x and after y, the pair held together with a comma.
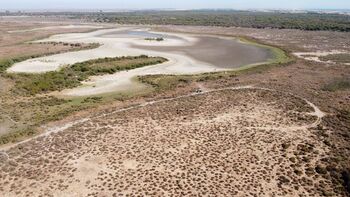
x: 221, y: 52
x: 218, y: 51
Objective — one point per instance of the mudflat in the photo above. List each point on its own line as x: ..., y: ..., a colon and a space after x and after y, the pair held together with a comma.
x: 218, y: 51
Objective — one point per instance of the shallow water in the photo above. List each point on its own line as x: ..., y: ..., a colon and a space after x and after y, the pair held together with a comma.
x: 217, y: 51
x: 220, y: 52
x: 145, y: 34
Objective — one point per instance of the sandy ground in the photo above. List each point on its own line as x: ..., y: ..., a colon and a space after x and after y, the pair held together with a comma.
x: 190, y: 61
x: 224, y: 142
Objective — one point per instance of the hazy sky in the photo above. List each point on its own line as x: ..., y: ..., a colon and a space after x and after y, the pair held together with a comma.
x: 176, y: 4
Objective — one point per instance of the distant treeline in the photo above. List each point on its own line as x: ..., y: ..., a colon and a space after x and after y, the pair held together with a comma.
x: 304, y: 21
x: 312, y: 21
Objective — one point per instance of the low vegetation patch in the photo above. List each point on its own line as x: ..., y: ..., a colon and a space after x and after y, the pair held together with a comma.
x: 32, y: 112
x: 71, y: 76
x: 278, y: 56
x: 94, y: 99
x: 337, y: 58
x: 155, y: 39
x: 13, y: 136
x: 6, y: 63
x: 337, y: 84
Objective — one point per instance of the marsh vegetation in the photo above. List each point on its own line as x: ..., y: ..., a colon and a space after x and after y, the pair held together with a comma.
x: 337, y: 84
x: 338, y: 58
x: 6, y: 62
x: 72, y: 76
x: 155, y: 39
x: 27, y: 110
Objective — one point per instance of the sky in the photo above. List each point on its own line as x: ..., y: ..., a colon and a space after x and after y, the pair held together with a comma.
x: 173, y: 4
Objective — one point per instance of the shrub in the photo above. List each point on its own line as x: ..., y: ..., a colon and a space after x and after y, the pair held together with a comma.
x: 320, y: 170
x: 346, y: 179
x: 337, y: 84
x: 71, y: 76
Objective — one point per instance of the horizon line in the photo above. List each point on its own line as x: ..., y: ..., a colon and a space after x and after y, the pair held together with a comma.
x: 173, y: 9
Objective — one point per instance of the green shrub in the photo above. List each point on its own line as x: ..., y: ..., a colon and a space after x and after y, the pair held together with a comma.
x: 71, y: 76
x: 14, y: 136
x: 338, y: 58
x: 337, y: 84
x: 155, y: 39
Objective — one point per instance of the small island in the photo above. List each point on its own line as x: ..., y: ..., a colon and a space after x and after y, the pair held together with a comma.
x: 159, y: 39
